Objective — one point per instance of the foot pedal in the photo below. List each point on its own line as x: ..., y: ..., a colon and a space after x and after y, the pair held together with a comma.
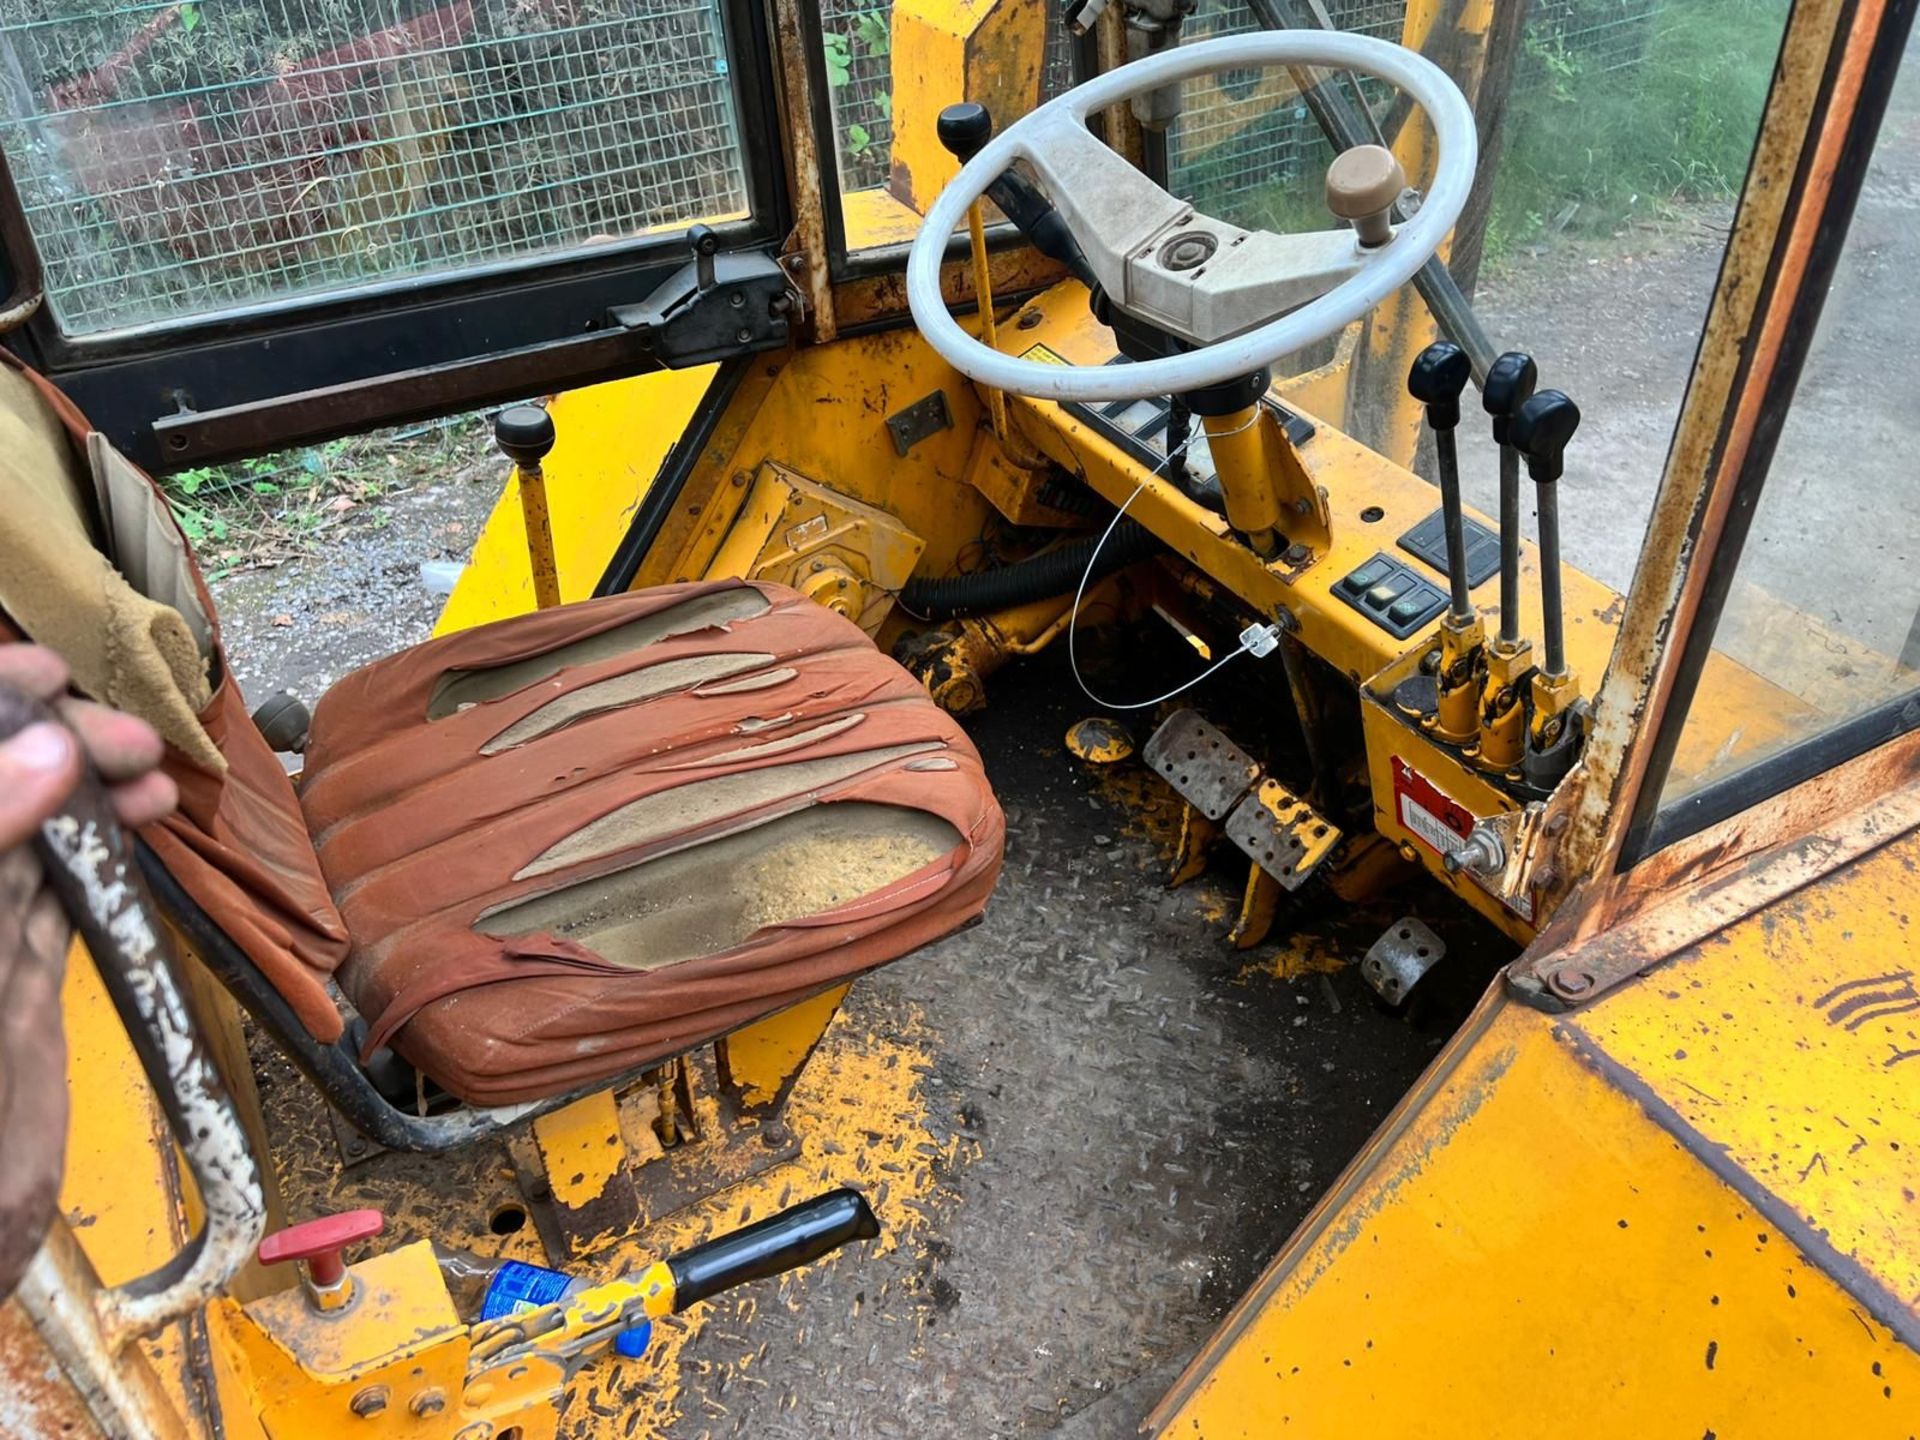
x: 1282, y: 834
x: 1400, y: 958
x: 1204, y: 767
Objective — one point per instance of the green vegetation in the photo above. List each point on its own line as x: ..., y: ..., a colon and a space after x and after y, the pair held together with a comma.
x: 1588, y: 150
x: 260, y: 511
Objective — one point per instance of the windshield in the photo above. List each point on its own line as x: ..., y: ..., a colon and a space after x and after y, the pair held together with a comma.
x: 1623, y: 137
x: 176, y: 157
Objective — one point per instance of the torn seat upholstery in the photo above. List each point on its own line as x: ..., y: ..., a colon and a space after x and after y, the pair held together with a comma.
x: 576, y: 841
x: 532, y: 855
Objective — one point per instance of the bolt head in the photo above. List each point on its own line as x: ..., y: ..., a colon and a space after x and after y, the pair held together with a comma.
x: 1572, y: 982
x: 369, y: 1402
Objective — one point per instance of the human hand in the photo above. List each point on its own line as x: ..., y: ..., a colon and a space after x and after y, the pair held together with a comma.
x: 39, y: 767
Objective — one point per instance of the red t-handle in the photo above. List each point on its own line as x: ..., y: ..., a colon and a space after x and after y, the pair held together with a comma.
x: 319, y: 1243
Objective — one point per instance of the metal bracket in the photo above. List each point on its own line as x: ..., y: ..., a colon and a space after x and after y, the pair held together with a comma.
x: 720, y: 304
x: 927, y: 416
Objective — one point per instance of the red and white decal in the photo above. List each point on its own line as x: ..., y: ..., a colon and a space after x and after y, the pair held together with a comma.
x: 1428, y: 813
x: 1442, y: 824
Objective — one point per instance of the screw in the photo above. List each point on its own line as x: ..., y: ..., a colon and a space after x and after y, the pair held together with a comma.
x: 1302, y: 507
x: 1572, y: 982
x: 737, y: 300
x: 740, y: 478
x: 1547, y: 878
x: 430, y: 1401
x: 1557, y: 824
x: 1297, y: 554
x: 1029, y: 319
x: 743, y: 335
x: 369, y: 1402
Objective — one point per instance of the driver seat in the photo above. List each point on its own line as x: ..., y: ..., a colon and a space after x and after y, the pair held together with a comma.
x: 533, y: 855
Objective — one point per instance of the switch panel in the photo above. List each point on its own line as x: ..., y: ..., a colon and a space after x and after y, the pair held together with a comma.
x: 1428, y: 541
x: 1392, y: 594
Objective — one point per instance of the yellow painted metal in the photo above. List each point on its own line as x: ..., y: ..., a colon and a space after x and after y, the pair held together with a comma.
x: 873, y: 219
x: 762, y: 1059
x: 609, y: 442
x: 1790, y: 1043
x: 1259, y: 905
x: 1503, y: 716
x: 1523, y: 1237
x: 532, y: 485
x: 1463, y: 644
x: 848, y: 556
x: 989, y: 51
x: 581, y: 1148
x: 1241, y: 444
x: 122, y: 1192
x: 822, y: 412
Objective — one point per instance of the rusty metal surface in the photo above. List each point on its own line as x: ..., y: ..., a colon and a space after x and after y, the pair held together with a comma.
x: 1282, y: 834
x: 1208, y: 770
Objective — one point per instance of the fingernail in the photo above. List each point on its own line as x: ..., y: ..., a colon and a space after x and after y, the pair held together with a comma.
x: 43, y: 747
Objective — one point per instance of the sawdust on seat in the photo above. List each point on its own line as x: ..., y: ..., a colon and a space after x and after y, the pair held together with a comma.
x: 710, y: 897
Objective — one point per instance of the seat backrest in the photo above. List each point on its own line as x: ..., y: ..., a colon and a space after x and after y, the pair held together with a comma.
x: 147, y: 649
x: 93, y: 565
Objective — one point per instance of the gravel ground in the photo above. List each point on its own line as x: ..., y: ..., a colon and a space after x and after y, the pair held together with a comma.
x: 303, y: 624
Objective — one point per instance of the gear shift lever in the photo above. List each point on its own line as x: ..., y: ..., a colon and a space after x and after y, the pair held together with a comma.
x: 1540, y: 431
x: 1439, y: 374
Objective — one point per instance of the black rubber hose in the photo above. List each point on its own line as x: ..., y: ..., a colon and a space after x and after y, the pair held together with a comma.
x: 1054, y: 573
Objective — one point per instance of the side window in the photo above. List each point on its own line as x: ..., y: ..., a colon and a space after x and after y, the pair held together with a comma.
x: 1816, y: 651
x: 183, y: 157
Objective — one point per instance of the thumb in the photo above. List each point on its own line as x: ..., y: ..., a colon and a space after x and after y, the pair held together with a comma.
x: 39, y: 766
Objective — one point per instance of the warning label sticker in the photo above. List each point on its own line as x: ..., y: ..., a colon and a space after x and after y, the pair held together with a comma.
x: 1428, y: 813
x: 1442, y: 824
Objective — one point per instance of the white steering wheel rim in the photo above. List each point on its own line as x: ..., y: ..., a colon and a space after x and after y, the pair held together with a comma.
x: 1388, y: 267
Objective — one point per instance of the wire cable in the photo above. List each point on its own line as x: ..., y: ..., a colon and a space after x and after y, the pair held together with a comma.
x: 1257, y: 638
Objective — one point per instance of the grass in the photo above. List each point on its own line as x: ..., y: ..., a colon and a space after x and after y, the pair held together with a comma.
x: 1589, y: 152
x: 1591, y: 144
x: 259, y: 512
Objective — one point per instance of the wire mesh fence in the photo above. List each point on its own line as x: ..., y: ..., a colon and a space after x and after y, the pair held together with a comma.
x: 179, y: 156
x: 858, y: 37
x: 1244, y: 144
x: 185, y: 156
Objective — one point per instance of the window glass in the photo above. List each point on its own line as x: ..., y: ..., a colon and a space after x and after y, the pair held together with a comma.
x: 178, y: 158
x: 1628, y: 128
x: 1825, y: 603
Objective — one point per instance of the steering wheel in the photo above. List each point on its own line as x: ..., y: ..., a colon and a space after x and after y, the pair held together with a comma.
x: 1198, y: 276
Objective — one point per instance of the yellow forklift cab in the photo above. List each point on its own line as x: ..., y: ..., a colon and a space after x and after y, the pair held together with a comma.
x: 1007, y: 708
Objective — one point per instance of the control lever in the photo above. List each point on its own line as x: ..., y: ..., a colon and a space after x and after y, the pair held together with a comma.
x: 1540, y: 431
x: 1440, y: 372
x: 964, y: 129
x: 1509, y: 383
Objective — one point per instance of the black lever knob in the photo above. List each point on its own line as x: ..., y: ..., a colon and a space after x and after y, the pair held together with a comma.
x: 964, y: 129
x: 1509, y: 384
x: 525, y: 433
x: 1440, y: 372
x: 1541, y: 428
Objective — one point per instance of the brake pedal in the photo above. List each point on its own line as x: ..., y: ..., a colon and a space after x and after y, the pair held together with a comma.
x: 1282, y: 834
